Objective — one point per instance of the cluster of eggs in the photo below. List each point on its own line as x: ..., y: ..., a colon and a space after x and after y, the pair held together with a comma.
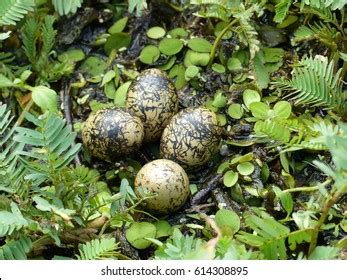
x: 188, y: 138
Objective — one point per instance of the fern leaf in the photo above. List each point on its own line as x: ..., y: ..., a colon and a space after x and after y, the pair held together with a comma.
x: 248, y: 36
x: 48, y: 35
x: 11, y: 221
x: 30, y: 34
x: 50, y: 148
x: 65, y: 7
x: 272, y: 130
x: 281, y: 10
x: 11, y: 171
x: 16, y: 249
x: 11, y: 11
x: 270, y: 238
x: 314, y: 83
x: 98, y: 249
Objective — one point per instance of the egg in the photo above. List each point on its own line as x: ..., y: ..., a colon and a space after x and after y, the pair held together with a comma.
x: 109, y: 133
x: 168, y: 181
x: 152, y: 97
x: 191, y: 138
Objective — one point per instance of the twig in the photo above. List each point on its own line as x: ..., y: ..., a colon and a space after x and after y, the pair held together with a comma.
x: 66, y: 101
x: 202, y: 195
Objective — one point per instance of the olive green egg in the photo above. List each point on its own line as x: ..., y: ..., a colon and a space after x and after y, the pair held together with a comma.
x: 191, y: 138
x: 168, y: 180
x: 109, y: 133
x: 153, y: 98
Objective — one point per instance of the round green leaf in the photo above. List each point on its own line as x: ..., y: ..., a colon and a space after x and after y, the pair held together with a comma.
x: 245, y: 168
x: 219, y: 100
x: 235, y: 111
x: 149, y: 54
x: 191, y: 72
x: 163, y: 228
x: 45, y: 98
x: 156, y: 32
x: 259, y: 110
x: 94, y: 66
x: 222, y: 120
x: 74, y: 55
x: 170, y: 46
x: 282, y: 109
x: 230, y: 178
x: 199, y: 45
x: 228, y: 221
x: 219, y: 68
x: 195, y: 58
x: 250, y: 96
x: 137, y: 233
x: 117, y: 41
x: 234, y: 64
x: 178, y: 33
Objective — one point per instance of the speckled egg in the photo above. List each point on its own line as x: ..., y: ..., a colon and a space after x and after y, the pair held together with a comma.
x: 191, y: 138
x: 111, y: 132
x: 168, y: 180
x: 152, y: 97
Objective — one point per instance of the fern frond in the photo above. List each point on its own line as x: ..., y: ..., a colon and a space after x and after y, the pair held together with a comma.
x: 16, y: 249
x: 314, y: 83
x: 11, y: 11
x: 99, y: 249
x: 30, y: 34
x: 320, y: 31
x: 272, y: 130
x: 65, y: 7
x: 11, y: 221
x: 48, y: 35
x: 281, y: 10
x: 11, y: 171
x: 50, y: 148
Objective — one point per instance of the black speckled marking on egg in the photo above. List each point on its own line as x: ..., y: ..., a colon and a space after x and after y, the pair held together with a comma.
x: 191, y: 138
x: 112, y: 132
x: 152, y: 97
x: 169, y: 181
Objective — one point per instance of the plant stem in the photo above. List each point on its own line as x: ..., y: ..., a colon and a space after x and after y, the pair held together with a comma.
x: 308, y: 189
x: 218, y: 39
x: 25, y: 110
x: 325, y: 211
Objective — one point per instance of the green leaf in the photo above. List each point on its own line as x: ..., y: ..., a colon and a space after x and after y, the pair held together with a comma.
x: 170, y: 46
x: 195, y: 58
x: 45, y: 98
x: 121, y: 94
x: 199, y: 45
x: 191, y: 72
x: 230, y: 178
x: 234, y: 64
x: 324, y: 253
x: 94, y: 66
x: 261, y: 74
x: 235, y: 111
x: 178, y: 33
x: 259, y: 110
x: 117, y: 41
x: 156, y: 32
x: 219, y: 100
x: 149, y: 54
x: 118, y: 26
x: 73, y: 55
x: 228, y: 221
x: 219, y: 68
x: 282, y: 109
x: 250, y: 96
x: 245, y: 168
x: 285, y: 198
x: 108, y: 77
x: 163, y: 228
x: 137, y: 233
x: 5, y: 82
